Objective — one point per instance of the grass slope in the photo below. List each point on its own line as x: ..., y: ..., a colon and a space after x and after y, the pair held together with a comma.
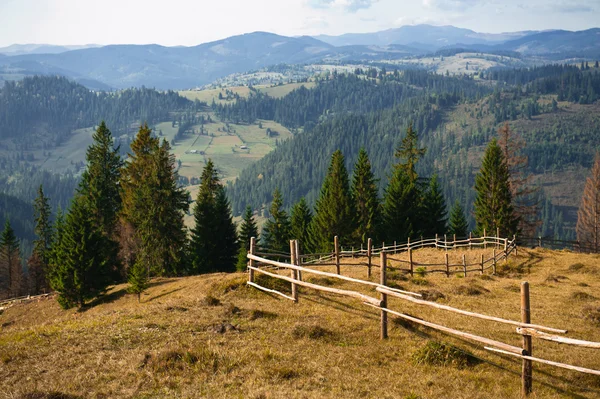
x: 211, y: 336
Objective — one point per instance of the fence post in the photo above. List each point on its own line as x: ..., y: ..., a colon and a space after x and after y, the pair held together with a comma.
x: 445, y: 242
x: 410, y: 261
x: 540, y: 241
x: 465, y: 264
x: 515, y: 244
x: 454, y: 242
x: 251, y: 262
x: 436, y: 240
x: 382, y: 281
x: 293, y: 261
x: 298, y: 259
x: 506, y: 250
x: 481, y: 263
x: 527, y: 369
x: 447, y: 266
x: 494, y: 262
x: 497, y: 237
x: 484, y: 241
x: 408, y: 245
x: 369, y: 250
x: 336, y: 244
x: 395, y: 247
x: 470, y: 238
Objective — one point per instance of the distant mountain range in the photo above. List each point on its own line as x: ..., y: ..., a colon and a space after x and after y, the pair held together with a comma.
x: 120, y: 66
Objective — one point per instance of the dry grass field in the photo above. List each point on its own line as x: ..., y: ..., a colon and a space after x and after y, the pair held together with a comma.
x: 213, y: 337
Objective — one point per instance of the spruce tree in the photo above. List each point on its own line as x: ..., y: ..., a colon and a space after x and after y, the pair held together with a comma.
x: 334, y: 211
x: 458, y: 224
x: 138, y: 279
x: 78, y: 270
x: 276, y: 232
x: 365, y: 198
x: 300, y: 219
x: 402, y: 211
x: 588, y: 216
x: 493, y: 204
x: 435, y: 215
x: 248, y: 230
x: 153, y: 207
x: 213, y: 245
x: 10, y: 261
x: 40, y: 257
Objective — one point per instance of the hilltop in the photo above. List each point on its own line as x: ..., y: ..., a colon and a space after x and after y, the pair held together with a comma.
x: 212, y: 336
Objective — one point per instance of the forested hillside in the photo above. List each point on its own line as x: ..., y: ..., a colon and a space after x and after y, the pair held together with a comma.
x: 553, y: 108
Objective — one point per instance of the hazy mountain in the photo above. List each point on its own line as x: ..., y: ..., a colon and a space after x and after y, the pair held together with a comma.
x: 559, y: 43
x: 174, y: 67
x: 20, y: 49
x: 422, y: 36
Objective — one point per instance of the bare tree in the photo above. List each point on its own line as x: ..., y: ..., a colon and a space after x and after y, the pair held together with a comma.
x: 524, y: 195
x: 588, y: 216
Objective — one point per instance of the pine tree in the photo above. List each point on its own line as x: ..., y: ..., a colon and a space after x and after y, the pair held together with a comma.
x: 153, y: 207
x: 276, y: 232
x: 214, y: 243
x: 588, y: 216
x: 78, y: 270
x: 138, y: 279
x: 458, y: 224
x: 10, y: 261
x: 365, y: 198
x: 300, y: 219
x: 334, y: 211
x: 435, y: 215
x: 40, y: 258
x: 402, y: 210
x: 248, y: 230
x: 493, y: 204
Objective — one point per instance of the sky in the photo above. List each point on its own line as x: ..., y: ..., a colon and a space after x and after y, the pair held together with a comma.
x: 191, y: 22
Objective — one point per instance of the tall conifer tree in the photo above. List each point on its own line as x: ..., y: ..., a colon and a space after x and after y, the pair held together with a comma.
x: 458, y: 224
x: 334, y: 211
x: 300, y: 219
x: 40, y: 257
x: 493, y: 204
x: 10, y: 261
x: 276, y: 232
x: 365, y: 198
x: 435, y: 215
x: 248, y: 229
x: 214, y: 243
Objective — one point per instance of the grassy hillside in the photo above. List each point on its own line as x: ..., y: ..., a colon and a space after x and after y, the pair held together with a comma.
x: 211, y: 336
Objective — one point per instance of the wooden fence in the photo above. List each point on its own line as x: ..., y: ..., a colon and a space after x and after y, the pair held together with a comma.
x: 378, y: 297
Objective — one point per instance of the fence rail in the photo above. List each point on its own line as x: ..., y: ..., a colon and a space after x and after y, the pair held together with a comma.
x: 299, y: 264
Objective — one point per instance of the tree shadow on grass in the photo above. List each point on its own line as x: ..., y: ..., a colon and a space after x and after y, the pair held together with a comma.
x: 105, y: 298
x: 163, y: 294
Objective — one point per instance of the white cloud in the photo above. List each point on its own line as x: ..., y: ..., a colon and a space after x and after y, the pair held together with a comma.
x: 458, y: 5
x: 347, y: 5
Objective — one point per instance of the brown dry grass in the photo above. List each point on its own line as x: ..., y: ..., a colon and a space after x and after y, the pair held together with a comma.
x: 180, y: 343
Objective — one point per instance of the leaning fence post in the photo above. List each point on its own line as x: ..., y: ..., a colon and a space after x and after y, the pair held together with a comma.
x: 369, y: 250
x: 298, y: 259
x: 251, y: 262
x: 336, y: 244
x: 527, y: 369
x: 470, y: 238
x: 465, y: 264
x: 447, y: 266
x: 382, y: 281
x: 293, y: 260
x: 494, y: 262
x: 410, y: 261
x: 481, y: 263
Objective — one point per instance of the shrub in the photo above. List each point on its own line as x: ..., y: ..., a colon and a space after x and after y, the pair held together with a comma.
x: 210, y: 300
x: 470, y: 290
x: 431, y: 295
x: 261, y: 314
x: 420, y: 271
x: 312, y: 331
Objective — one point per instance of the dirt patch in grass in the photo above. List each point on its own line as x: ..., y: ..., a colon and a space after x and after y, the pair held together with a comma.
x: 592, y: 313
x: 204, y: 360
x: 580, y: 268
x: 47, y: 395
x: 436, y: 353
x: 210, y: 300
x: 552, y: 278
x: 222, y: 328
x: 280, y: 373
x: 256, y: 314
